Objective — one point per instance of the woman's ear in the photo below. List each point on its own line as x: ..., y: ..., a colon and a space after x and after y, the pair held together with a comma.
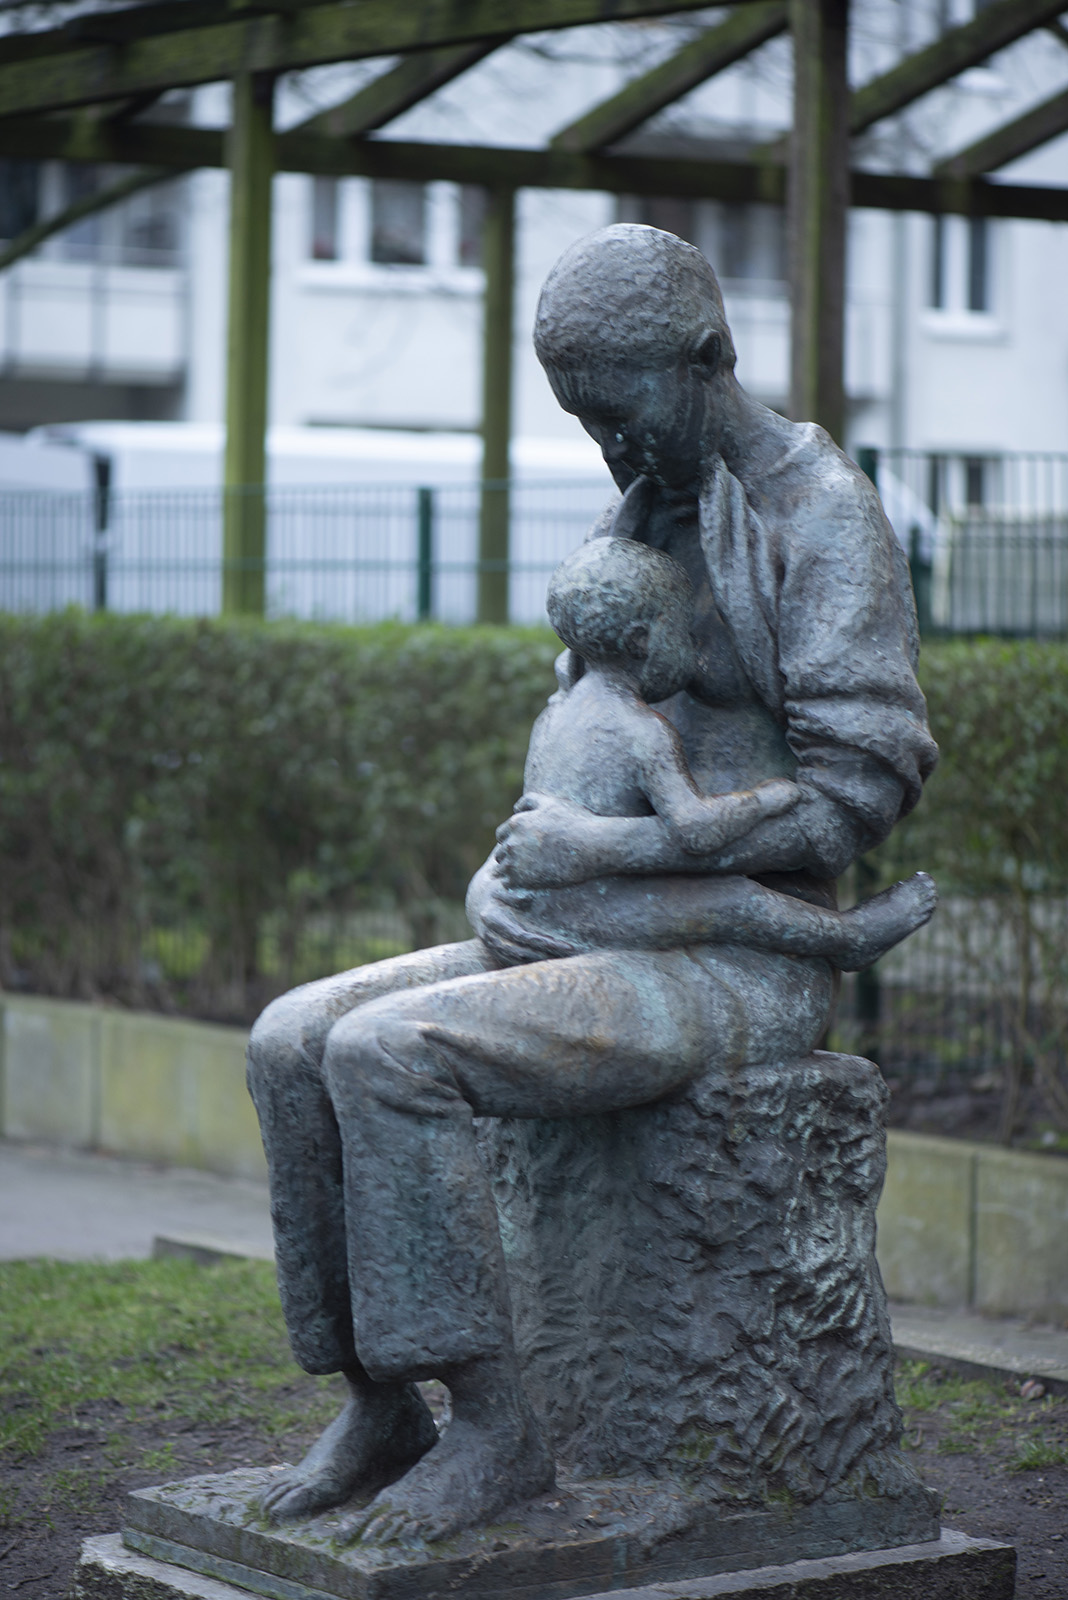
x: 707, y: 349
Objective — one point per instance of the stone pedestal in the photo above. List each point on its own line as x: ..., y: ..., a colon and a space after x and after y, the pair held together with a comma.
x: 704, y: 1333
x: 696, y: 1296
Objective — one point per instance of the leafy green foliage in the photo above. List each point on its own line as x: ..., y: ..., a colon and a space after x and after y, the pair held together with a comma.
x: 992, y: 828
x: 992, y: 818
x: 247, y: 778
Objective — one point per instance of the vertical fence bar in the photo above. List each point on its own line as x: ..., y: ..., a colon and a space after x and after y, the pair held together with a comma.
x: 424, y: 582
x: 498, y: 254
x: 101, y: 521
x: 251, y: 158
x: 921, y: 573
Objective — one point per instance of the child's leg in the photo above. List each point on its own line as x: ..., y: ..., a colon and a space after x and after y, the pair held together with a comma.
x: 747, y: 913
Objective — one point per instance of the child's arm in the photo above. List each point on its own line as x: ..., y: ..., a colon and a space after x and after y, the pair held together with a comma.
x: 702, y: 823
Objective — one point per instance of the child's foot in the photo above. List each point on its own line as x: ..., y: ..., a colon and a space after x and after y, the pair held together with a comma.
x: 876, y: 925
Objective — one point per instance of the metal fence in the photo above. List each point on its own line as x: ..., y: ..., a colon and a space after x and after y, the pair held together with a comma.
x: 357, y: 554
x: 987, y: 537
x: 982, y: 990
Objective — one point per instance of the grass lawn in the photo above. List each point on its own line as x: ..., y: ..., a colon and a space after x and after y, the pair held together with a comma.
x: 116, y: 1375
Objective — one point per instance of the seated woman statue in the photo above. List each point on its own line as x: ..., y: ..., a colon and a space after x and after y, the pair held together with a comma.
x: 603, y: 974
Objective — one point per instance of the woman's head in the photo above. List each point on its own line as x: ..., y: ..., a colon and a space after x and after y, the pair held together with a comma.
x: 630, y: 329
x: 616, y: 602
x: 629, y: 293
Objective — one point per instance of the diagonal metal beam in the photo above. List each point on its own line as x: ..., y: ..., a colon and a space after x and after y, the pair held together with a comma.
x: 403, y: 86
x: 102, y: 200
x: 1012, y: 139
x: 309, y: 36
x: 995, y: 27
x: 711, y: 52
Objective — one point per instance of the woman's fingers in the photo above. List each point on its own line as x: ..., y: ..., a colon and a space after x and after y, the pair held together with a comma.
x: 516, y: 944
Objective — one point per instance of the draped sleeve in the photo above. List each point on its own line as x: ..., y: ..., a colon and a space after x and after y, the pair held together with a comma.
x: 819, y: 607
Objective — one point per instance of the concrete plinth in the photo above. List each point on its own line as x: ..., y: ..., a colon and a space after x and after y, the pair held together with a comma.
x: 953, y: 1567
x: 583, y: 1537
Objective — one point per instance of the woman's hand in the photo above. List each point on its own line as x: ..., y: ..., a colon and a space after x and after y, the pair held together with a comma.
x: 546, y: 844
x: 495, y: 912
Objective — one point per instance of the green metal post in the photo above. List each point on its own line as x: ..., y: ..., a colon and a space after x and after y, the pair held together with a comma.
x: 251, y: 160
x: 868, y: 462
x: 920, y: 570
x: 101, y: 522
x: 498, y: 258
x: 818, y: 198
x: 424, y: 599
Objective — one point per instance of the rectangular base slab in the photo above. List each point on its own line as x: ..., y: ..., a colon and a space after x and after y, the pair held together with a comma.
x: 580, y: 1538
x: 953, y: 1567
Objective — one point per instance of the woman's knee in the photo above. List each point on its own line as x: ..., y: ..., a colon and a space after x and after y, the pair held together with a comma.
x: 284, y: 1039
x: 380, y: 1053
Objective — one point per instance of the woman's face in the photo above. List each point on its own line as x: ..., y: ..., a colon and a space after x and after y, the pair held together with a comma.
x: 654, y: 421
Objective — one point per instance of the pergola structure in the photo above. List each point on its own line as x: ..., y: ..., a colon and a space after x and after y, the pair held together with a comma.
x: 75, y: 93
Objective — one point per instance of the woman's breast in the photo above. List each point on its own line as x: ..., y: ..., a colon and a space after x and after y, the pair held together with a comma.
x: 732, y: 740
x: 729, y: 746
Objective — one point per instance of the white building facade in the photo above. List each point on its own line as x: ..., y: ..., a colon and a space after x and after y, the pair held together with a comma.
x: 957, y: 331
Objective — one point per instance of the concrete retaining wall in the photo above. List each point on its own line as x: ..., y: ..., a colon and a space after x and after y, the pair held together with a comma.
x: 972, y: 1225
x: 128, y: 1082
x: 959, y: 1224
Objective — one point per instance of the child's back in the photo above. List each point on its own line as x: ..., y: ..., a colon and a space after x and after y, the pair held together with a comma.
x: 592, y: 745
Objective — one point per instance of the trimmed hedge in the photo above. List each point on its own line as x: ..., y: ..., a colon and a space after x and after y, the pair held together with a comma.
x: 157, y: 772
x: 994, y: 817
x: 253, y: 781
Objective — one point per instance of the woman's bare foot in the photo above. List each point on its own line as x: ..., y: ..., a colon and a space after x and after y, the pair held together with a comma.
x: 471, y: 1474
x: 876, y: 925
x: 490, y: 1455
x: 383, y: 1431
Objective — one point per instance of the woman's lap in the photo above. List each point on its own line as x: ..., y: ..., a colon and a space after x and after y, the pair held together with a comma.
x: 659, y: 1016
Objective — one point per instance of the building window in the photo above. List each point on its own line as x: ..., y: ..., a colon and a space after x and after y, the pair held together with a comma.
x: 398, y: 223
x: 661, y: 211
x: 148, y: 227
x: 745, y: 242
x: 83, y: 240
x: 937, y: 296
x: 978, y: 264
x: 472, y: 221
x: 324, y: 219
x: 960, y: 264
x: 19, y: 197
x: 975, y: 485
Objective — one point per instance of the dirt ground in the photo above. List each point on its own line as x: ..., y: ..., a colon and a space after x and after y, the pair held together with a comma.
x: 971, y: 1441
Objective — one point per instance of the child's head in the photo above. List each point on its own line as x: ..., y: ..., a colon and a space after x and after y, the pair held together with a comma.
x: 619, y: 603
